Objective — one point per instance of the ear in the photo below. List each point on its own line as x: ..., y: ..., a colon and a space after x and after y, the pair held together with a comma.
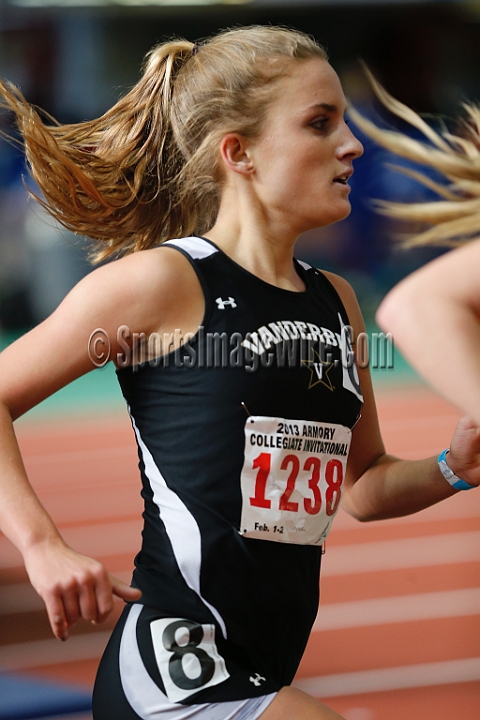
x: 235, y: 154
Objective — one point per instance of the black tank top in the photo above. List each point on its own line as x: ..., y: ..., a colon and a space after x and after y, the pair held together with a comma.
x: 266, y: 373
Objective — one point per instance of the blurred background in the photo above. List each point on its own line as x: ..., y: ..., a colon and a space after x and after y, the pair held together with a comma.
x: 399, y: 634
x: 74, y: 58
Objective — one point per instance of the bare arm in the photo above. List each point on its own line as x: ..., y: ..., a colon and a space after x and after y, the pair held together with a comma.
x: 379, y: 485
x: 43, y: 361
x: 434, y: 317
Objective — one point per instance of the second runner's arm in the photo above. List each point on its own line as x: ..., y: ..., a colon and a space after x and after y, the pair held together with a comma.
x: 379, y: 485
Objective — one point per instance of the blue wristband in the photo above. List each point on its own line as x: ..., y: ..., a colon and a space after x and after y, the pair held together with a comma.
x: 449, y: 475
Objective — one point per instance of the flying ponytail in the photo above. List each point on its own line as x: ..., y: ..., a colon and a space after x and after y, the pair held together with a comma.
x: 149, y: 169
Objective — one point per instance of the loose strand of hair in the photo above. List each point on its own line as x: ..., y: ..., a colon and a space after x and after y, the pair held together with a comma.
x: 456, y: 218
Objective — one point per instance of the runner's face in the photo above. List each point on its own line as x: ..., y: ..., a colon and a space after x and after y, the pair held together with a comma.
x: 303, y: 157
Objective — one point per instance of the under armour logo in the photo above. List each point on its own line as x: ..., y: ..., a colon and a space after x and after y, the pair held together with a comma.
x: 222, y: 304
x: 257, y: 679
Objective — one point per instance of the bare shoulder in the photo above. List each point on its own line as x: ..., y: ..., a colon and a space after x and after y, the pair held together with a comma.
x: 139, y: 282
x: 463, y: 260
x: 454, y: 275
x: 150, y: 291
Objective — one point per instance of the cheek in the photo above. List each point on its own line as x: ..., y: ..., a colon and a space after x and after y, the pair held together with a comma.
x: 283, y: 176
x: 318, y: 168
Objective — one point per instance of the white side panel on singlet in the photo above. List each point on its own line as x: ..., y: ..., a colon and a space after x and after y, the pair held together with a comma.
x: 143, y: 695
x: 180, y: 525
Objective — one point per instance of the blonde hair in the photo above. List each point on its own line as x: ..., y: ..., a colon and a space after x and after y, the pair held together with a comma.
x: 455, y: 218
x: 148, y: 170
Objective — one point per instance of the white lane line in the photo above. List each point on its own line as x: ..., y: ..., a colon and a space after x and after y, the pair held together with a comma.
x: 118, y: 538
x: 102, y: 539
x: 101, y: 424
x: 404, y: 608
x: 51, y: 652
x: 457, y: 507
x: 75, y: 456
x: 406, y: 553
x: 425, y: 422
x: 129, y: 450
x: 21, y: 597
x: 396, y: 678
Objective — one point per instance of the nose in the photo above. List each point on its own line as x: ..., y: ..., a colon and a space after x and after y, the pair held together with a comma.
x: 350, y: 146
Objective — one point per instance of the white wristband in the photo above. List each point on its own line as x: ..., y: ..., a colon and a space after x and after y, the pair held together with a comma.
x: 449, y: 475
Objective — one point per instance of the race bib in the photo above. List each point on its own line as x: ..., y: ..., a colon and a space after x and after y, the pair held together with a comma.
x: 187, y: 657
x: 292, y: 478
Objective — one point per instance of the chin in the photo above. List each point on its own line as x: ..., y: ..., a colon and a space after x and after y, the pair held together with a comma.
x: 335, y: 215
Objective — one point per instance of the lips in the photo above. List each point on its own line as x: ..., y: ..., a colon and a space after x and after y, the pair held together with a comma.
x: 344, y: 177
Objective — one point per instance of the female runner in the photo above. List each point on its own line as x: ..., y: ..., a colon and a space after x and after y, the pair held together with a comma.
x: 434, y: 313
x: 202, y: 178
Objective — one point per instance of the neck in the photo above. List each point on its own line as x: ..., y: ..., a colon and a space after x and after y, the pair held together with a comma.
x: 263, y: 246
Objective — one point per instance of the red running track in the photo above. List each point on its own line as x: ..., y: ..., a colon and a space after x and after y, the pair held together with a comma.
x: 397, y: 635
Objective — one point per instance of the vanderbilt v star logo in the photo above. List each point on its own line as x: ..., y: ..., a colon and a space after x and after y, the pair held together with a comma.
x: 319, y: 371
x: 222, y: 304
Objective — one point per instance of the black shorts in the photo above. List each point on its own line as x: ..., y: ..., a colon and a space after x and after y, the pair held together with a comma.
x: 152, y: 665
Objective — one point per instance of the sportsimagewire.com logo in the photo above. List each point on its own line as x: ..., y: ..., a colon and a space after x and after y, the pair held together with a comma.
x: 234, y: 350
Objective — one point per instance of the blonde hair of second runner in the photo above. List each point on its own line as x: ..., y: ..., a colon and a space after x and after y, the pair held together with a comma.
x: 455, y: 218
